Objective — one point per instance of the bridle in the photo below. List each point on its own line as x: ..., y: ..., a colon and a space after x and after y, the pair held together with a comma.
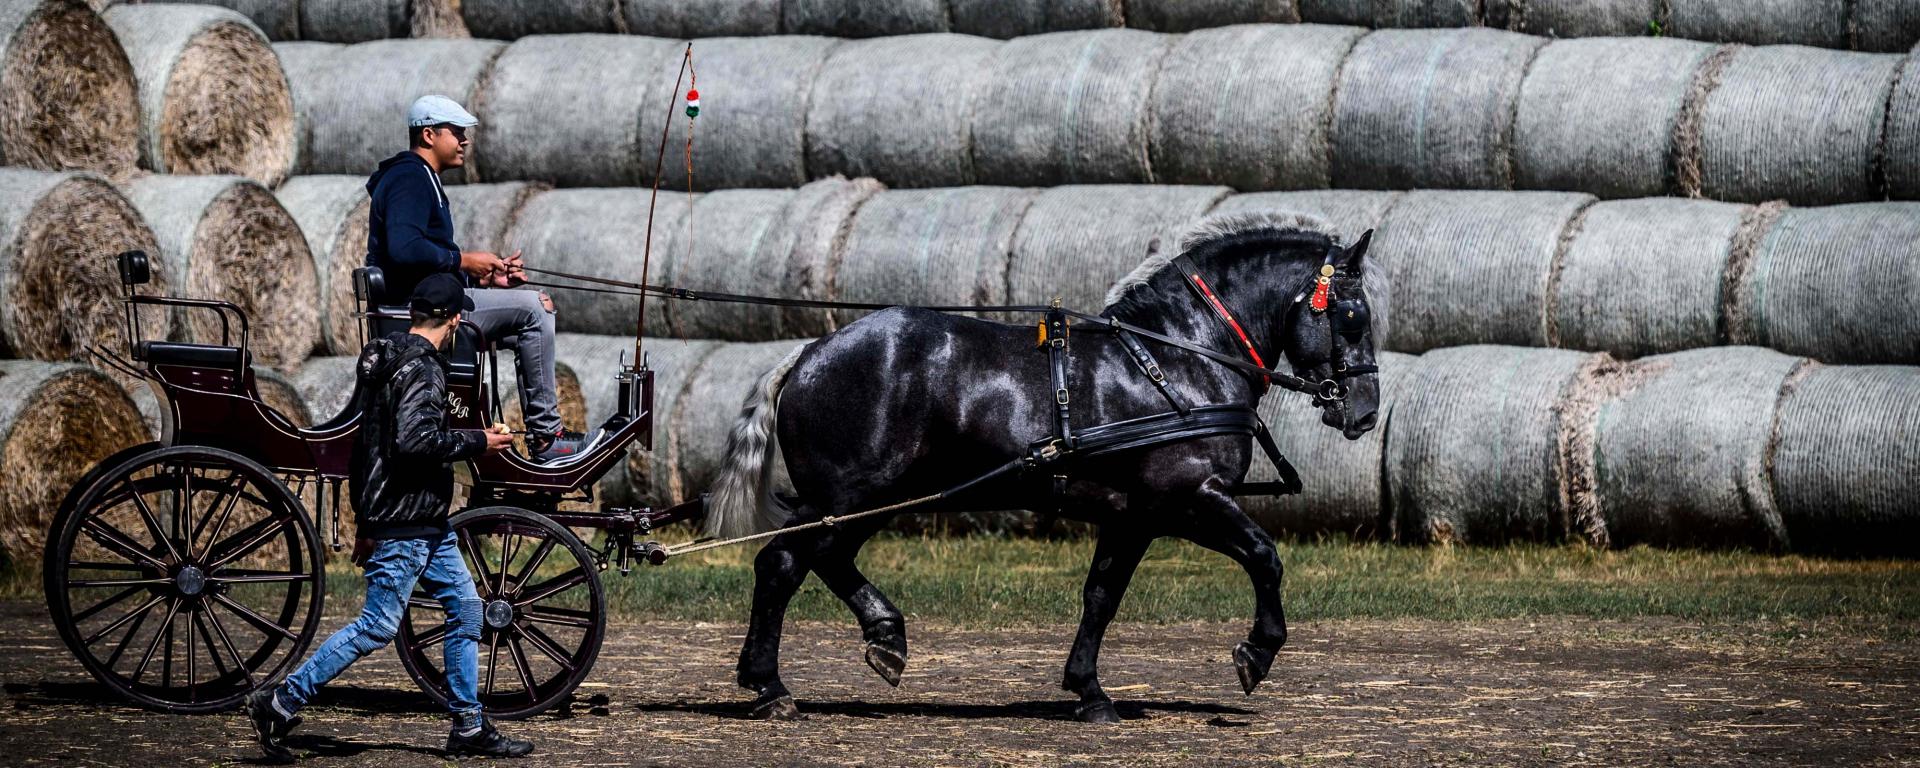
x: 1346, y: 318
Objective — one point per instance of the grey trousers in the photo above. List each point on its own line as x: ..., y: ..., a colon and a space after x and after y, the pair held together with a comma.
x: 515, y: 319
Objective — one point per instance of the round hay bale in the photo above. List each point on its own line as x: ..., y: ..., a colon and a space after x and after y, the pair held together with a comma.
x: 1885, y: 25
x: 1074, y: 242
x: 298, y: 60
x: 1016, y: 18
x: 1473, y: 267
x: 1248, y: 107
x: 1902, y: 151
x: 1351, y: 13
x: 931, y: 247
x: 353, y: 99
x: 355, y: 21
x: 514, y: 19
x: 1191, y: 15
x: 598, y: 232
x: 277, y: 19
x: 1340, y: 478
x: 576, y: 110
x: 754, y: 114
x: 1579, y: 18
x: 1429, y: 108
x: 224, y: 237
x: 738, y: 243
x: 707, y: 407
x: 840, y: 18
x: 1797, y: 123
x: 817, y: 223
x: 484, y: 213
x: 332, y: 214
x: 1473, y: 445
x: 326, y: 385
x: 1067, y: 108
x: 1839, y: 284
x: 1351, y: 212
x: 71, y: 406
x: 59, y: 284
x: 1804, y: 22
x: 899, y: 109
x: 1645, y: 276
x: 213, y: 97
x: 708, y: 18
x: 281, y: 394
x: 68, y: 96
x: 648, y: 474
x: 1392, y: 13
x: 1599, y: 115
x: 1680, y: 458
x: 1843, y: 461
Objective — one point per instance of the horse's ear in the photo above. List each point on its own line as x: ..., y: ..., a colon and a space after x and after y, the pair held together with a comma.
x: 1358, y: 251
x: 1153, y: 246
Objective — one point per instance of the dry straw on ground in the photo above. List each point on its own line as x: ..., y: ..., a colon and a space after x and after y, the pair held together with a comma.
x: 1840, y: 284
x: 53, y: 404
x: 353, y: 100
x: 1067, y: 108
x: 1341, y: 478
x: 899, y: 108
x: 59, y: 283
x: 577, y: 110
x: 227, y: 238
x: 1015, y: 18
x: 1599, y: 115
x: 902, y: 249
x: 1646, y: 276
x: 600, y: 232
x: 1075, y: 241
x: 757, y: 90
x: 1843, y: 458
x: 332, y: 214
x: 1797, y: 123
x: 68, y: 97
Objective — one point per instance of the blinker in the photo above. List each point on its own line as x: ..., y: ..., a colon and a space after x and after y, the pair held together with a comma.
x: 1350, y: 318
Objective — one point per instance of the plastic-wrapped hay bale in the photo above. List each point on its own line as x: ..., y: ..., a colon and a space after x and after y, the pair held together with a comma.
x: 68, y: 97
x: 1429, y: 108
x: 738, y: 244
x: 1843, y: 459
x: 817, y: 222
x: 483, y: 213
x: 1190, y: 15
x: 649, y: 476
x: 1473, y: 267
x: 1838, y: 284
x: 1645, y: 276
x: 1351, y: 211
x: 514, y: 19
x: 326, y: 385
x: 1392, y: 13
x: 71, y: 406
x: 224, y: 237
x: 353, y: 100
x: 597, y: 232
x: 1067, y: 108
x: 1577, y: 18
x: 840, y: 18
x: 899, y: 109
x: 1073, y: 242
x: 59, y: 284
x: 1473, y: 445
x: 1680, y: 458
x: 1016, y: 18
x: 1902, y: 152
x: 1340, y: 478
x: 278, y: 19
x: 708, y: 406
x: 754, y: 110
x: 1885, y: 25
x: 332, y: 214
x: 707, y: 18
x: 282, y: 395
x: 1797, y: 123
x: 1760, y: 22
x: 1599, y: 115
x: 931, y: 247
x: 576, y: 110
x: 1248, y: 106
x: 353, y: 21
x: 212, y: 94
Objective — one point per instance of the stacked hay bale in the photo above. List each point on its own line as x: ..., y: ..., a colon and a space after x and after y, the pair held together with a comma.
x: 1599, y: 115
x: 1340, y: 478
x: 282, y: 395
x: 844, y: 19
x: 713, y: 18
x: 709, y: 403
x: 59, y: 283
x: 68, y: 97
x: 227, y: 238
x: 1645, y: 276
x: 1074, y: 241
x: 1392, y: 13
x: 549, y: 97
x: 1843, y: 457
x: 901, y: 248
x: 352, y: 100
x: 648, y: 475
x: 332, y: 214
x: 46, y: 404
x: 514, y: 19
x: 483, y: 214
x: 1013, y: 18
x: 278, y: 19
x: 761, y: 87
x: 213, y: 96
x: 899, y: 108
x: 597, y: 232
x: 1806, y: 22
x: 1191, y: 15
x: 1351, y: 211
x: 1902, y: 151
x: 326, y: 385
x: 1067, y: 108
x: 1840, y: 284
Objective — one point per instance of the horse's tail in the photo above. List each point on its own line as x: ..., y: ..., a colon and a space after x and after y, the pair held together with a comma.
x: 741, y: 502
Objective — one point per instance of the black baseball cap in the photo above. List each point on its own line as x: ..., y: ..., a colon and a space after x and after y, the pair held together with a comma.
x: 440, y: 295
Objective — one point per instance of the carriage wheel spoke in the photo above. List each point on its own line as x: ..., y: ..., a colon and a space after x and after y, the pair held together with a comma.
x: 116, y: 583
x: 259, y: 577
x: 493, y: 660
x: 566, y: 617
x: 183, y: 509
x: 472, y: 548
x: 89, y: 565
x: 139, y: 613
x: 421, y: 601
x: 206, y: 638
x: 506, y: 562
x: 226, y: 641
x: 102, y: 605
x: 544, y: 644
x: 521, y: 665
x: 193, y: 684
x: 249, y: 540
x: 553, y: 586
x: 113, y: 539
x: 254, y: 618
x: 431, y: 637
x: 166, y: 656
x: 173, y: 607
x: 224, y: 503
x: 153, y: 523
x: 533, y: 563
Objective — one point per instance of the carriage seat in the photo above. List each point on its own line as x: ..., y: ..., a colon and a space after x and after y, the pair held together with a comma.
x: 192, y: 355
x: 385, y: 317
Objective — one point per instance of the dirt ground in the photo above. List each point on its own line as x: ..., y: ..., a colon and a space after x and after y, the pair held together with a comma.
x: 1542, y: 692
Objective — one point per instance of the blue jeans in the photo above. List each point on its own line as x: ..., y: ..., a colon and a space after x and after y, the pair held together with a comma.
x: 391, y: 572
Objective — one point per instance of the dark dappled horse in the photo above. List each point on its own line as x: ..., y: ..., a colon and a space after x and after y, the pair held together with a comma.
x: 907, y: 402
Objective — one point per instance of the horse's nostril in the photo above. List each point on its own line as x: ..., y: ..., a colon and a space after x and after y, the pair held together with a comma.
x: 1366, y: 422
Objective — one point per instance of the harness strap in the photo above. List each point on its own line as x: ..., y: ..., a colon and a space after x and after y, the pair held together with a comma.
x: 1143, y: 359
x: 1056, y: 342
x: 1199, y: 286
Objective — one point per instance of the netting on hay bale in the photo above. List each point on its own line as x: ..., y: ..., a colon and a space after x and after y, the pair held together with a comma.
x: 1680, y: 457
x: 1473, y: 267
x: 1839, y: 284
x: 1014, y: 18
x: 514, y: 19
x: 59, y: 283
x: 326, y: 385
x: 1248, y: 107
x: 277, y: 19
x: 353, y: 100
x: 755, y: 106
x: 1392, y: 13
x: 738, y: 243
x: 332, y: 214
x: 1351, y: 211
x: 68, y: 96
x: 1576, y: 18
x: 1075, y: 241
x: 550, y: 96
x: 817, y: 222
x: 1599, y: 115
x: 1191, y: 15
x: 1802, y: 124
x: 1843, y: 459
x: 1473, y: 445
x: 899, y: 109
x: 1067, y: 108
x: 224, y: 237
x: 1429, y: 108
x: 931, y: 247
x: 72, y: 406
x: 1340, y: 478
x: 1760, y: 22
x: 1902, y: 150
x: 1645, y: 276
x: 484, y: 213
x: 707, y: 18
x: 841, y: 18
x: 1884, y: 25
x: 709, y: 403
x: 597, y: 232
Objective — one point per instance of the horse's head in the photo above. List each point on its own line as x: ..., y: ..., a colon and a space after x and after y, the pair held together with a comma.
x: 1328, y: 333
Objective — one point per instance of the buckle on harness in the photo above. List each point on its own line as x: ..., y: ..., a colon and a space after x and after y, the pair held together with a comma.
x: 1060, y: 396
x: 1153, y: 372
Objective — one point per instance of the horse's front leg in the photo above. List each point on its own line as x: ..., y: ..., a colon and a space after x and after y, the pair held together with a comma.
x: 778, y: 571
x: 1114, y: 558
x: 1220, y: 525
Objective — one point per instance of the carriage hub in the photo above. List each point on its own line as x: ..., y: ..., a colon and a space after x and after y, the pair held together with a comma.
x: 499, y: 614
x: 190, y: 581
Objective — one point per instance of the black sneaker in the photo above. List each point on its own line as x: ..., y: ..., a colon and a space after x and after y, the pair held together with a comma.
x: 550, y: 449
x: 484, y: 741
x: 269, y: 725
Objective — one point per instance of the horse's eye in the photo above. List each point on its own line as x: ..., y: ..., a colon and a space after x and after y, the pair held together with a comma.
x: 1350, y: 318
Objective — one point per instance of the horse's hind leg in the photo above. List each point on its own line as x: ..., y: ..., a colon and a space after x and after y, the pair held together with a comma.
x: 778, y: 571
x: 1114, y: 559
x: 1220, y: 525
x: 882, y: 625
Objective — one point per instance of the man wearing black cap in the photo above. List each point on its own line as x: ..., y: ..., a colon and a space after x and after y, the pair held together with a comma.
x: 401, y: 483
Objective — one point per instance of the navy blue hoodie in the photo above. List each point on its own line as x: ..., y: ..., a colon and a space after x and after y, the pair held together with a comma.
x: 410, y: 229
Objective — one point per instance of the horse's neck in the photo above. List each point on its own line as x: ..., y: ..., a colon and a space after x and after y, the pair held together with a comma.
x: 1251, y: 288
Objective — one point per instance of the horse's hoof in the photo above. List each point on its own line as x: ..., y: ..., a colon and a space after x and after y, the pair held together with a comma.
x: 886, y: 661
x: 1251, y: 663
x: 1101, y: 711
x: 776, y: 708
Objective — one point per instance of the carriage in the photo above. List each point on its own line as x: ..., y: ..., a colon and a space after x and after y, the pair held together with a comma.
x: 187, y: 572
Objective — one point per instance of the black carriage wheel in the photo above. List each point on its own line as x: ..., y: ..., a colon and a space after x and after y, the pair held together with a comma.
x: 183, y: 578
x: 544, y: 615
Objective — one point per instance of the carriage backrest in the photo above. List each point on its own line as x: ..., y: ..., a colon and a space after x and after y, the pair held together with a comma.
x: 390, y: 315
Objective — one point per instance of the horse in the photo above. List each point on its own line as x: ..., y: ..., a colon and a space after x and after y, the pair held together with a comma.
x: 905, y: 402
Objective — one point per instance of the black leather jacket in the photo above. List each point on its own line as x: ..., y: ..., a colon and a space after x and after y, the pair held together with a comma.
x: 401, y: 475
